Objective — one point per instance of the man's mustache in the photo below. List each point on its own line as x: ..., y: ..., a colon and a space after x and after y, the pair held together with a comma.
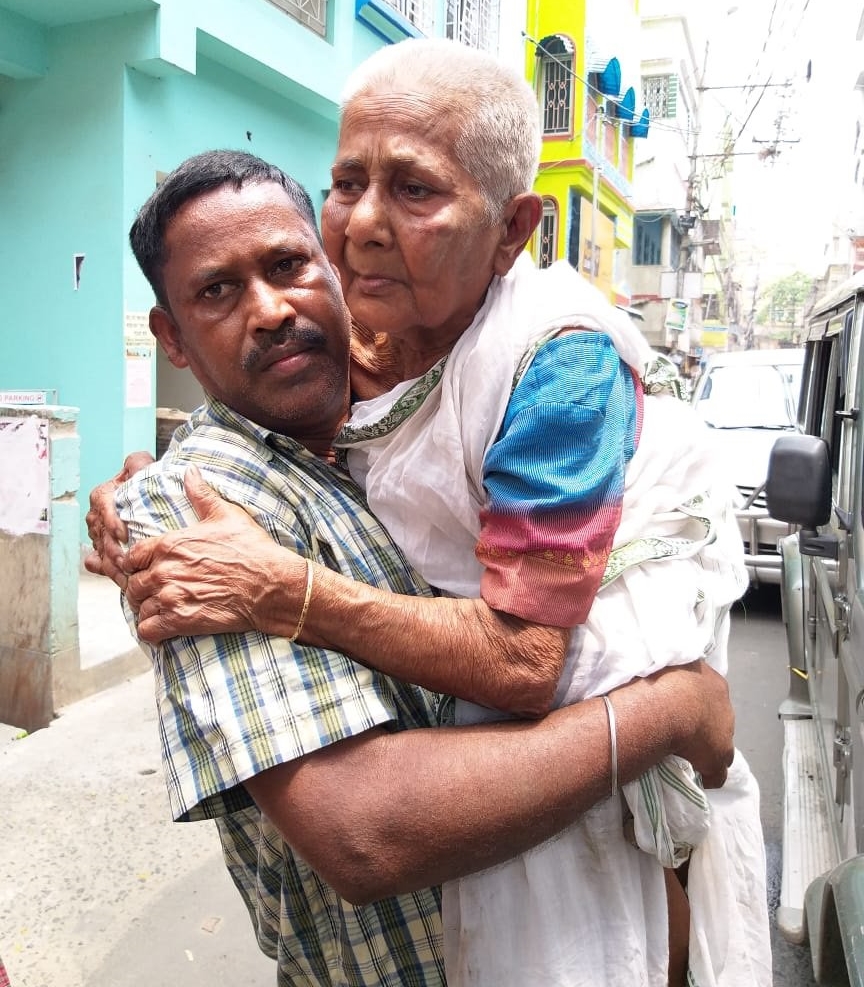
x: 289, y: 336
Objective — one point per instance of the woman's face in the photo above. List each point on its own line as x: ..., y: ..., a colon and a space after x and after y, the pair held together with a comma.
x: 404, y: 222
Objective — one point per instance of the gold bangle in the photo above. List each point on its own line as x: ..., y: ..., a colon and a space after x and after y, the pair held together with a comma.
x: 310, y: 573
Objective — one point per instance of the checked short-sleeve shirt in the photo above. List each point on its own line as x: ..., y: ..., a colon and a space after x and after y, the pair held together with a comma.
x: 233, y: 705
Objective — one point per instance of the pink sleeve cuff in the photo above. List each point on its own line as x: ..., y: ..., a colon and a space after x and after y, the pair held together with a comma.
x: 548, y: 588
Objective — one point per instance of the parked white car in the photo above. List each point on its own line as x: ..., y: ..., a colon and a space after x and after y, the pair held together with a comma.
x: 748, y: 398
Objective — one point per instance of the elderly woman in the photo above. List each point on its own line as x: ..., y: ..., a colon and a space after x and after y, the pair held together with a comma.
x: 509, y: 440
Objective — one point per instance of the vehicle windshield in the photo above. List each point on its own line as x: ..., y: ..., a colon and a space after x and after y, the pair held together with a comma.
x: 764, y: 396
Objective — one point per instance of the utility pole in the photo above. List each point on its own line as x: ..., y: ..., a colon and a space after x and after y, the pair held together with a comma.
x: 595, y: 191
x: 689, y: 220
x: 692, y: 179
x: 751, y: 321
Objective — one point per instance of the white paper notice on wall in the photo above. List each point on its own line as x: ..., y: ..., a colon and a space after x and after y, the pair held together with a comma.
x: 137, y: 338
x: 139, y: 344
x: 25, y: 480
x: 139, y: 379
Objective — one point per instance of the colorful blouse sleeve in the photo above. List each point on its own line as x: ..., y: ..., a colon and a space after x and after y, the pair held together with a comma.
x: 554, y: 480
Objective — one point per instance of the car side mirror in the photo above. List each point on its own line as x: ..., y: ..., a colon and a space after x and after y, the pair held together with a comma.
x: 798, y: 488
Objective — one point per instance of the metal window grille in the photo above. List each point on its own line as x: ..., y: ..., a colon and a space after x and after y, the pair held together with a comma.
x: 420, y: 13
x: 647, y: 240
x: 575, y: 227
x: 311, y: 13
x: 660, y: 95
x: 548, y: 234
x: 557, y: 94
x: 474, y: 23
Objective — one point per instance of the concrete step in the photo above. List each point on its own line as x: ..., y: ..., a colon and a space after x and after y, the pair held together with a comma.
x: 810, y: 847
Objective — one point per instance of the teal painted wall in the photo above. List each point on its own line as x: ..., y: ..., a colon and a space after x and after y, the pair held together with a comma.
x: 61, y: 194
x: 166, y: 120
x: 122, y: 99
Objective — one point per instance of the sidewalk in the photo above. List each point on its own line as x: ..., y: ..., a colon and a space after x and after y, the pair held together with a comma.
x: 98, y: 888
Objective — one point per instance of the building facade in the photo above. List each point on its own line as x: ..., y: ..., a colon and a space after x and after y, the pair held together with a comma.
x: 665, y: 276
x: 582, y: 60
x: 98, y: 99
x: 852, y: 222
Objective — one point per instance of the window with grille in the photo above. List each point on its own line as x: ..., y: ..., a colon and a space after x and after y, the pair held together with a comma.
x: 647, y: 239
x: 660, y: 95
x: 557, y: 87
x: 311, y: 13
x: 548, y: 234
x: 420, y: 13
x: 474, y: 23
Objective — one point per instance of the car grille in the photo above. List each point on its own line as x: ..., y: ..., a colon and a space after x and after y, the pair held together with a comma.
x: 759, y: 502
x: 759, y: 531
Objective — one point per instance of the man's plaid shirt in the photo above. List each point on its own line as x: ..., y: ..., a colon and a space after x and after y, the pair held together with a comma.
x: 233, y: 705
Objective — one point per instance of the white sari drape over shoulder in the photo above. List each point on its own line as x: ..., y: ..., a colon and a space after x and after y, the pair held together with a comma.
x: 586, y: 908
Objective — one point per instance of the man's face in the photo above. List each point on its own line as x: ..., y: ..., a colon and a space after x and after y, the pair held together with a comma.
x: 256, y: 311
x: 404, y: 222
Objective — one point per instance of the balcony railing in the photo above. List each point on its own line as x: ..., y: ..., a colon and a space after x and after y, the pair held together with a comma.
x: 420, y: 13
x: 474, y: 22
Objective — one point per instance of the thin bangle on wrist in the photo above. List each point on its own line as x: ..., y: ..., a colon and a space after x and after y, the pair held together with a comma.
x: 310, y: 575
x: 613, y: 742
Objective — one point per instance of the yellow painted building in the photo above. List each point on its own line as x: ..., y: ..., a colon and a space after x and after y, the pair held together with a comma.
x: 582, y: 60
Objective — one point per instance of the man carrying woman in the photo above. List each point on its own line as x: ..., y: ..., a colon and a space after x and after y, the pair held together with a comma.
x: 509, y: 441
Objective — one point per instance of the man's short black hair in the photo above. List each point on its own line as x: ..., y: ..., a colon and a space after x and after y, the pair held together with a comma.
x: 194, y: 177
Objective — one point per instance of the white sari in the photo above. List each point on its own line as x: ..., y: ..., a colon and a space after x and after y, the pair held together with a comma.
x: 586, y: 908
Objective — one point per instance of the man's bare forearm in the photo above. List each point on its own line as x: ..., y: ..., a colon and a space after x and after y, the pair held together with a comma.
x: 437, y: 804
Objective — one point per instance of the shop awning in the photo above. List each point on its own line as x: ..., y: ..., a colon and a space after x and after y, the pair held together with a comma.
x: 601, y: 61
x: 625, y: 108
x: 555, y: 44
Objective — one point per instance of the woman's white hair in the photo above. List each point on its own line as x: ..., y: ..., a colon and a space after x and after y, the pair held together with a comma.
x: 499, y: 135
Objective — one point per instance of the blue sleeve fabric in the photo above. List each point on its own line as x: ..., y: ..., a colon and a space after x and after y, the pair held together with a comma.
x: 554, y: 480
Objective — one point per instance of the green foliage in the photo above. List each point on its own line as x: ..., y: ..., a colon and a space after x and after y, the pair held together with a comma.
x: 783, y: 302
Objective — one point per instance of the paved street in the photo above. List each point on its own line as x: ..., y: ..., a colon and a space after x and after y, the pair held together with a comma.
x: 759, y: 681
x: 98, y: 888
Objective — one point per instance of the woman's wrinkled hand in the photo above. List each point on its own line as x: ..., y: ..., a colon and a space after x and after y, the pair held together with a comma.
x: 215, y: 576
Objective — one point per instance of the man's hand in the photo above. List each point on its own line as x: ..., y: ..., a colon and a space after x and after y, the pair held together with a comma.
x: 107, y: 532
x: 689, y: 706
x: 208, y: 578
x: 707, y: 720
